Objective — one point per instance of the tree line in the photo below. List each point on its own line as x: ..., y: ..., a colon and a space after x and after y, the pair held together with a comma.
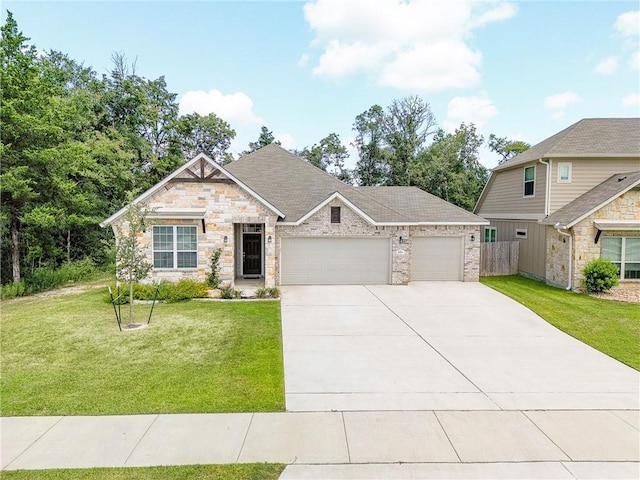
x: 76, y: 146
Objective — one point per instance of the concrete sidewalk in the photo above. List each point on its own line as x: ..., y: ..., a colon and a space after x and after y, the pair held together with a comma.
x: 374, y: 444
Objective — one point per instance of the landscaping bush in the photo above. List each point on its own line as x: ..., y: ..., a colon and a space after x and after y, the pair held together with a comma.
x: 600, y: 275
x: 229, y: 292
x: 274, y: 292
x: 13, y: 290
x: 184, y: 289
x: 262, y: 293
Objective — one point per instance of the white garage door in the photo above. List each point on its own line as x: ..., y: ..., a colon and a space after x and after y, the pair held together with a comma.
x: 437, y: 258
x: 331, y: 261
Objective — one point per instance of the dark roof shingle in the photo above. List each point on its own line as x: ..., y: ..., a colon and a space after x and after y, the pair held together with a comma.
x: 296, y: 187
x: 590, y: 137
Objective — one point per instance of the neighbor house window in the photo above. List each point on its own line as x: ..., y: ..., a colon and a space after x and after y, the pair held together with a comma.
x: 529, y: 181
x: 335, y: 214
x: 175, y: 246
x: 625, y: 253
x: 490, y: 234
x: 564, y: 172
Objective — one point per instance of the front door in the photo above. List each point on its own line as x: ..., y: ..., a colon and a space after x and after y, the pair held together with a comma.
x: 251, y: 254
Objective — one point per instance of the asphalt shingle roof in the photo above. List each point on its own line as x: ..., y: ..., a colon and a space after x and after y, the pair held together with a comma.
x: 588, y: 201
x: 590, y: 137
x: 296, y: 187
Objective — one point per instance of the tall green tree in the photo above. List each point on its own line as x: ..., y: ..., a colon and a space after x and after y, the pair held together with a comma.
x: 207, y: 134
x: 329, y: 155
x: 450, y: 168
x: 266, y: 138
x: 506, y: 148
x: 407, y: 124
x: 371, y: 168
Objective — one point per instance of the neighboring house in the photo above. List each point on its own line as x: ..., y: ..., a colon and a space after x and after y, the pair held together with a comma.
x: 570, y: 199
x: 279, y: 218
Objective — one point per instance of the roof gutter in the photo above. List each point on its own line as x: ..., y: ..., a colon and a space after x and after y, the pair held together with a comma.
x: 547, y: 196
x: 566, y: 233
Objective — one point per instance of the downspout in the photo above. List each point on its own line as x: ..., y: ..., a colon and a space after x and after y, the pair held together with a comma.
x: 559, y: 227
x: 547, y: 196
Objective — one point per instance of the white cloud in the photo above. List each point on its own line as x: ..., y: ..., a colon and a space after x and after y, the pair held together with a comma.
x: 608, y: 66
x: 628, y: 24
x: 631, y: 100
x: 303, y: 60
x: 235, y: 108
x: 634, y: 61
x: 417, y: 45
x: 286, y: 140
x: 559, y: 103
x: 476, y: 110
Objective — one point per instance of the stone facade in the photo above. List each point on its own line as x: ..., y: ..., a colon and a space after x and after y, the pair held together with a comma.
x: 226, y: 205
x: 352, y: 225
x: 625, y: 207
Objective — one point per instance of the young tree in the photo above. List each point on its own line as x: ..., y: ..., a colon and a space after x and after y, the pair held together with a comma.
x: 131, y: 259
x: 266, y: 138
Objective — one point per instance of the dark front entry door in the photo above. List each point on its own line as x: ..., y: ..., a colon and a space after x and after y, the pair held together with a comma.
x: 251, y: 254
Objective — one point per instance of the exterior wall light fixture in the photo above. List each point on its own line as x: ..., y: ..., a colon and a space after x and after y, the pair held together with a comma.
x: 225, y: 239
x: 269, y: 239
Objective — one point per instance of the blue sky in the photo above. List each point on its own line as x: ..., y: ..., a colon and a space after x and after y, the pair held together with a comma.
x: 524, y: 70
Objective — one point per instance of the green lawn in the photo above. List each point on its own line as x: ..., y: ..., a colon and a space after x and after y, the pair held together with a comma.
x: 64, y: 355
x: 251, y: 471
x: 609, y: 326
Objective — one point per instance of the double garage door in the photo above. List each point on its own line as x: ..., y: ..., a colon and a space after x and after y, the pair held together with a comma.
x: 353, y: 261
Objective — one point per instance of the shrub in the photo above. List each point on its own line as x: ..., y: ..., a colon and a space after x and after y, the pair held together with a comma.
x: 13, y: 290
x: 262, y: 293
x: 274, y: 292
x: 600, y: 275
x: 228, y: 292
x: 185, y: 289
x: 213, y: 280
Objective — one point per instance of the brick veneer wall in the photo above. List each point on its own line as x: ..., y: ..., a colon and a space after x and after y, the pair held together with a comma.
x: 352, y: 225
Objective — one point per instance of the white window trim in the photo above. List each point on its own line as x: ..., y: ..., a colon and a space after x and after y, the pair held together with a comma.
x: 623, y: 252
x: 524, y: 181
x: 564, y: 164
x: 486, y: 229
x: 521, y: 233
x: 174, y: 250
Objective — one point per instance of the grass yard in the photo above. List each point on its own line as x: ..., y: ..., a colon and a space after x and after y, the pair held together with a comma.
x: 609, y: 326
x: 64, y: 355
x: 247, y: 471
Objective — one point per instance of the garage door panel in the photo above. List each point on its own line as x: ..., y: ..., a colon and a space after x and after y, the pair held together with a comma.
x: 437, y: 258
x: 315, y: 260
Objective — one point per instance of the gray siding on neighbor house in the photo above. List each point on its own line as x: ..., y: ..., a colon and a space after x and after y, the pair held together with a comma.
x: 532, y: 252
x: 504, y: 193
x: 586, y: 173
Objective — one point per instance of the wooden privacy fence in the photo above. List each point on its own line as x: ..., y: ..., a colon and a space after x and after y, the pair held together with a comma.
x: 499, y: 258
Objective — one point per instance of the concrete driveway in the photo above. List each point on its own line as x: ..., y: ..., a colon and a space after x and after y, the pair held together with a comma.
x: 437, y: 346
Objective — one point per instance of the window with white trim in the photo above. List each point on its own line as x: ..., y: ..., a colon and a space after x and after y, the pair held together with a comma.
x: 175, y: 246
x: 564, y: 172
x: 625, y: 253
x: 490, y: 234
x: 529, y: 181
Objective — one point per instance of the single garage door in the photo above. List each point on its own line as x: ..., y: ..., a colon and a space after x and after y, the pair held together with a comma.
x: 437, y: 258
x: 332, y: 261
